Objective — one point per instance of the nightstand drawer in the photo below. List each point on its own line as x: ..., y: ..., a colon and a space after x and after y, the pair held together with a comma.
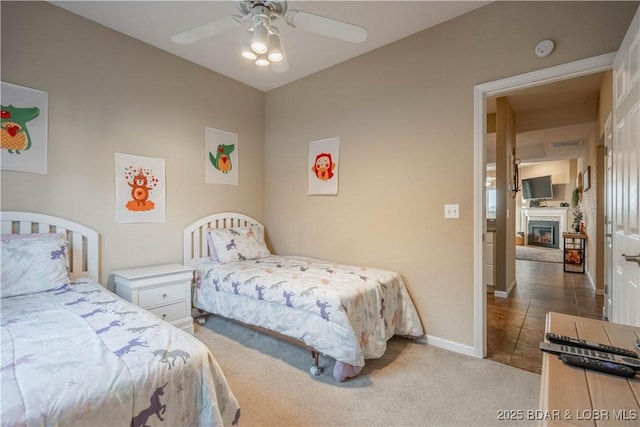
x: 164, y: 290
x: 171, y: 312
x: 162, y: 295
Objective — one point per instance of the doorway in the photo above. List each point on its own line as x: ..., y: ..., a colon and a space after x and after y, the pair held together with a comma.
x: 481, y: 93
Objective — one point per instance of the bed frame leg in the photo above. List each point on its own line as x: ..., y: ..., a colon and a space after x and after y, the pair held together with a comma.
x: 199, y: 316
x: 315, y: 370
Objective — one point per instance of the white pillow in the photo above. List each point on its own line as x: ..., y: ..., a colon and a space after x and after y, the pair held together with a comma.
x: 239, y: 244
x: 212, y: 246
x: 33, y: 263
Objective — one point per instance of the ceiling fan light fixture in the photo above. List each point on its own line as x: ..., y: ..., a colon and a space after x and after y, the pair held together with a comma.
x: 246, y: 51
x: 261, y: 44
x: 275, y: 49
x: 249, y: 54
x: 260, y: 38
x: 262, y: 61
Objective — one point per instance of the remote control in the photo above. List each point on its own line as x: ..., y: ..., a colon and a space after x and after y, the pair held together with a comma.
x: 593, y: 354
x: 575, y: 342
x: 598, y: 365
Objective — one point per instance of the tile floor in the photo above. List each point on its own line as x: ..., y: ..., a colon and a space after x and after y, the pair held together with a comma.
x: 515, y: 325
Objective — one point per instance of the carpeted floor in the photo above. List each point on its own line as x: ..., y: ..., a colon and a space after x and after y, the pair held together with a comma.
x: 537, y: 253
x: 413, y: 384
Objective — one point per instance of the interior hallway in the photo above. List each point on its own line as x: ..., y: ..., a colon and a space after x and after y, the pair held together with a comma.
x: 515, y: 325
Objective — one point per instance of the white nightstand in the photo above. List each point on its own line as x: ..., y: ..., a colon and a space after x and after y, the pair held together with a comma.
x: 164, y: 290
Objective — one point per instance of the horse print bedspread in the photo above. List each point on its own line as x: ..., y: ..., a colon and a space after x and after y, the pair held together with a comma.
x: 80, y: 355
x: 346, y: 312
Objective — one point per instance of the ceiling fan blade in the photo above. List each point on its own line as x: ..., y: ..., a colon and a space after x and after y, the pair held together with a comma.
x: 207, y: 30
x: 325, y: 26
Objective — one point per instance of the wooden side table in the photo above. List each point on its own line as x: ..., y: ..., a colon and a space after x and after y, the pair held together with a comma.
x: 574, y: 252
x: 164, y: 290
x: 579, y: 397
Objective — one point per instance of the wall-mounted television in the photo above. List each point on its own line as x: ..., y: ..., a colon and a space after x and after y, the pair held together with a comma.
x: 538, y: 188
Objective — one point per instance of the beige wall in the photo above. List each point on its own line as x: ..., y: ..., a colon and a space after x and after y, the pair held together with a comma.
x: 589, y: 202
x: 592, y: 200
x: 108, y: 93
x: 605, y: 101
x: 558, y: 169
x: 595, y: 202
x: 404, y: 114
x: 504, y: 242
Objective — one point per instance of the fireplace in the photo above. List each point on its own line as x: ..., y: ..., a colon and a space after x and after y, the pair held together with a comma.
x: 544, y: 233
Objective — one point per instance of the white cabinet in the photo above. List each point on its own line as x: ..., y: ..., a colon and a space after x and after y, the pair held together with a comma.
x: 488, y: 256
x: 164, y: 290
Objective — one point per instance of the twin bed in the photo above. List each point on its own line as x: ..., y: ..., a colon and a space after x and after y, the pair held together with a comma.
x: 345, y: 312
x: 73, y: 353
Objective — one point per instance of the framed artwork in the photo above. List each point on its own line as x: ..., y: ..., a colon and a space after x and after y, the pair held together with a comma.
x: 323, y: 166
x: 586, y: 179
x: 24, y: 129
x: 140, y: 189
x: 221, y: 157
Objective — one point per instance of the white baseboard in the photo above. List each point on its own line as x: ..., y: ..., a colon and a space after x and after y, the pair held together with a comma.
x: 448, y: 345
x: 505, y: 294
x: 593, y: 284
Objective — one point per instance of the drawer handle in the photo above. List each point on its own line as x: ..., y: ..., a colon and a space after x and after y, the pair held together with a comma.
x: 164, y: 296
x: 164, y: 316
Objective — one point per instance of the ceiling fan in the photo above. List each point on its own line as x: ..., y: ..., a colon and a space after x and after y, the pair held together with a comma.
x: 262, y: 41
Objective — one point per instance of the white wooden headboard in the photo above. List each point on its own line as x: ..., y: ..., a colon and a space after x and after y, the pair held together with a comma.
x: 195, y: 235
x: 84, y: 245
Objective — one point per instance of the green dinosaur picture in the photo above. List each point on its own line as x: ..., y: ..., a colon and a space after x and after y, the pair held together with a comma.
x: 23, y: 129
x: 15, y: 133
x: 221, y: 162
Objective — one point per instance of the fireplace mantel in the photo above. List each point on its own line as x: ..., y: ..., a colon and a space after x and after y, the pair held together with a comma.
x: 559, y: 214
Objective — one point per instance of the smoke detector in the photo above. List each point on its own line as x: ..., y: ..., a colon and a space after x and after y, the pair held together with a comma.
x: 544, y: 48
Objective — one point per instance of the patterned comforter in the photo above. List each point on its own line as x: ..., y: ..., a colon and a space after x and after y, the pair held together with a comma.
x: 346, y: 312
x: 80, y: 355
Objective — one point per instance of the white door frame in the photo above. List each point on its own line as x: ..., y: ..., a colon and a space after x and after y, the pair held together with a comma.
x: 608, y: 215
x: 481, y: 92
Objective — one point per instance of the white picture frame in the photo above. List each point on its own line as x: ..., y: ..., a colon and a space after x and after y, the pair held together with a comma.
x: 24, y: 129
x: 322, y: 170
x: 221, y: 157
x: 140, y: 188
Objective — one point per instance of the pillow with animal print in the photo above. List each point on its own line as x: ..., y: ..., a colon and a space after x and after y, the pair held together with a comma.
x: 33, y: 263
x: 239, y: 244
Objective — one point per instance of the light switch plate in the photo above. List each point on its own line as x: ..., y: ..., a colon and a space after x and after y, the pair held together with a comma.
x: 452, y: 211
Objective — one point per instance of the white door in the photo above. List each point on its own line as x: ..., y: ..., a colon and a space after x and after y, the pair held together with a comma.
x: 608, y: 215
x: 626, y: 179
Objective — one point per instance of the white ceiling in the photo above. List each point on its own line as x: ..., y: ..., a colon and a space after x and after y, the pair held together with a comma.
x: 154, y: 22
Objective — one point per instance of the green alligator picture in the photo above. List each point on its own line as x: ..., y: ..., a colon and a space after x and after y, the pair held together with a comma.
x: 221, y: 160
x: 15, y: 134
